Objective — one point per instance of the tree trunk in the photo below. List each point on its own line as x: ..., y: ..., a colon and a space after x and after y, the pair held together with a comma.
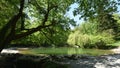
x: 6, y: 41
x: 4, y: 44
x: 7, y: 33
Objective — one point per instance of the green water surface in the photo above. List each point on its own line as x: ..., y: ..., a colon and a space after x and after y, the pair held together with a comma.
x: 65, y: 51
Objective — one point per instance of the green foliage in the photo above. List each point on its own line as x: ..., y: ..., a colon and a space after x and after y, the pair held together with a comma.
x: 100, y: 10
x: 90, y: 41
x: 117, y: 18
x: 87, y: 36
x: 37, y: 13
x: 45, y: 40
x: 95, y: 8
x: 88, y: 28
x: 48, y: 18
x: 6, y: 12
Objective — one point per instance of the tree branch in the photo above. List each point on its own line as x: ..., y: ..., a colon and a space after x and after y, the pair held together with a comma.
x: 47, y: 13
x: 22, y: 2
x: 6, y: 35
x: 11, y: 23
x: 47, y: 36
x: 49, y: 8
x: 17, y: 17
x: 33, y: 30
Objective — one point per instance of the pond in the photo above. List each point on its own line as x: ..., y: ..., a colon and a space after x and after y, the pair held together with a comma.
x: 65, y: 51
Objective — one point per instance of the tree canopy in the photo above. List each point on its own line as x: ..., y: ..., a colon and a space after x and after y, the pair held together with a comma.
x: 20, y: 18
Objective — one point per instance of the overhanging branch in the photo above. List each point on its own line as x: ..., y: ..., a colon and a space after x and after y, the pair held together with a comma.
x: 33, y: 30
x: 47, y: 36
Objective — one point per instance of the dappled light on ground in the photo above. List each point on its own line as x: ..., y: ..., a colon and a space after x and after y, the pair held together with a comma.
x: 58, y: 61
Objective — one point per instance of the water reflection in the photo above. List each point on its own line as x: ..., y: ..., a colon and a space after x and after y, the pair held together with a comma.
x: 66, y: 51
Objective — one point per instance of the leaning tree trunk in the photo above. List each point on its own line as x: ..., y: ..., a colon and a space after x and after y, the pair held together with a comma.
x: 7, y: 33
x: 4, y: 43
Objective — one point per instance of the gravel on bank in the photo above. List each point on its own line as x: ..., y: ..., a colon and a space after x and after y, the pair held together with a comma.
x: 104, y: 61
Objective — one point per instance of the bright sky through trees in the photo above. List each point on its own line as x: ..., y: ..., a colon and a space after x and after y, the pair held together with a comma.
x: 76, y: 18
x: 70, y: 13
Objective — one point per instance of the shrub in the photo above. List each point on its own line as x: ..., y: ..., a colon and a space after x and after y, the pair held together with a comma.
x: 87, y: 36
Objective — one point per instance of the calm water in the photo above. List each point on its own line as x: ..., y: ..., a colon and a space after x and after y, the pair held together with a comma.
x: 66, y: 51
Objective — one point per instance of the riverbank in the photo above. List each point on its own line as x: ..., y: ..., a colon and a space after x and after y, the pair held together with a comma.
x: 58, y: 61
x: 116, y: 50
x: 19, y: 49
x: 10, y: 58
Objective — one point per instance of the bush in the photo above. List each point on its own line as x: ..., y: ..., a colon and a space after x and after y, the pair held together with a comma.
x: 86, y: 37
x: 90, y: 41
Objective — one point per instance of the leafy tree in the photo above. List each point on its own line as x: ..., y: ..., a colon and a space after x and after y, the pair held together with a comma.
x: 48, y: 13
x: 51, y: 36
x: 20, y: 14
x: 116, y: 16
x: 101, y: 10
x: 95, y: 8
x: 87, y: 35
